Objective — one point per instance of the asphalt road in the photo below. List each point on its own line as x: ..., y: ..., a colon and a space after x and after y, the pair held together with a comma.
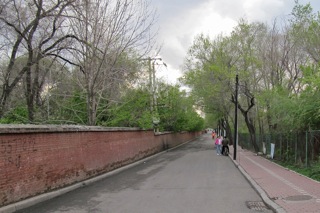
x: 188, y: 179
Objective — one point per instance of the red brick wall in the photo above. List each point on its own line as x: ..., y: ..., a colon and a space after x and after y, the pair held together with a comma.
x: 35, y: 160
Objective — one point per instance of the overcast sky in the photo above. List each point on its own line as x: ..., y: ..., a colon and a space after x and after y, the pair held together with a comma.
x: 179, y: 21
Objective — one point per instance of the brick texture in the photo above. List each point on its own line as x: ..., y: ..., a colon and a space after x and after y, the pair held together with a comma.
x: 35, y: 162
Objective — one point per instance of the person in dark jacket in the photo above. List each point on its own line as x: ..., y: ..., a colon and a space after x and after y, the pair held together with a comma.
x: 225, y: 146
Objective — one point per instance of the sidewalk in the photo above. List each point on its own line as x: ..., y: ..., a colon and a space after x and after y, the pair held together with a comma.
x: 282, y: 189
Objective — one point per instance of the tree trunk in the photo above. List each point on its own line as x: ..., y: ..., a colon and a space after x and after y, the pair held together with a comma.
x: 228, y: 131
x: 7, y: 88
x: 3, y: 100
x: 252, y: 132
x: 249, y: 122
x: 91, y: 109
x: 29, y: 96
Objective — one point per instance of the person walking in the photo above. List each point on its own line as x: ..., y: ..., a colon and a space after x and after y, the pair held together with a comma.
x: 218, y: 145
x: 213, y: 134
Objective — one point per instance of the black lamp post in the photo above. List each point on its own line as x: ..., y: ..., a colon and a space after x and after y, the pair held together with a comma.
x: 235, y: 141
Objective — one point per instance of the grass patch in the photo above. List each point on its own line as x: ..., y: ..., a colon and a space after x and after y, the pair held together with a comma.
x: 312, y: 172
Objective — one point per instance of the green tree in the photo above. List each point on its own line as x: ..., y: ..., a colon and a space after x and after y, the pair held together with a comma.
x: 212, y: 69
x: 209, y: 74
x: 177, y: 110
x: 133, y: 110
x: 308, y: 110
x: 305, y: 30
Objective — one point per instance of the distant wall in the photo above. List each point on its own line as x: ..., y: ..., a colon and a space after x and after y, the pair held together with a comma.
x: 38, y: 159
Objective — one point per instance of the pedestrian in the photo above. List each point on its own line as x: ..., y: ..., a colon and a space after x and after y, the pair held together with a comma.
x: 225, y: 146
x: 213, y: 134
x: 218, y: 145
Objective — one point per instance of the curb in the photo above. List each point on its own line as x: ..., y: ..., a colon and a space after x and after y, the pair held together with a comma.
x: 272, y: 205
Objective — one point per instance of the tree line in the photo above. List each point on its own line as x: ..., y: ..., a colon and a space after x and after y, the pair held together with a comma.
x: 81, y: 62
x: 278, y: 69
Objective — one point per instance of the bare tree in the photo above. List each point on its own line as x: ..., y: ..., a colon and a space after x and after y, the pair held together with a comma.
x: 115, y: 32
x: 32, y: 29
x: 281, y: 56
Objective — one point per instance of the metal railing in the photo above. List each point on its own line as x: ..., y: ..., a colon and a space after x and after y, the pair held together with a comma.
x: 299, y: 148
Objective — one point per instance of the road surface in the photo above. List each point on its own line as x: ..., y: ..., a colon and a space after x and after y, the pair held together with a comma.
x: 188, y: 179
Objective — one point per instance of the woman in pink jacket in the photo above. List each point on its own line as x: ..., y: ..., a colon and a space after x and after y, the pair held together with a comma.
x: 218, y: 143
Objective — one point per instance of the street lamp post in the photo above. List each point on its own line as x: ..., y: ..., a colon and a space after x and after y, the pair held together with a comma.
x: 235, y: 141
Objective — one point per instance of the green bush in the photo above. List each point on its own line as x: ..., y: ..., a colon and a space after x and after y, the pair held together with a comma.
x: 19, y: 115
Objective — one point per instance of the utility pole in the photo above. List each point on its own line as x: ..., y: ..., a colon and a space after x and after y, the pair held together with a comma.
x: 235, y: 141
x: 154, y: 86
x: 150, y: 84
x: 153, y: 91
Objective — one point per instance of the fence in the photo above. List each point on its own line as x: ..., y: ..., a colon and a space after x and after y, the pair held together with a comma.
x: 299, y: 148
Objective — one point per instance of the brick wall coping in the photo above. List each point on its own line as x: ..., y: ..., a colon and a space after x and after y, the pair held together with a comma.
x: 30, y: 128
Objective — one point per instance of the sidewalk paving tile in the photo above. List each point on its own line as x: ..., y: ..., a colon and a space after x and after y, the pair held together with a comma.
x: 292, y: 192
